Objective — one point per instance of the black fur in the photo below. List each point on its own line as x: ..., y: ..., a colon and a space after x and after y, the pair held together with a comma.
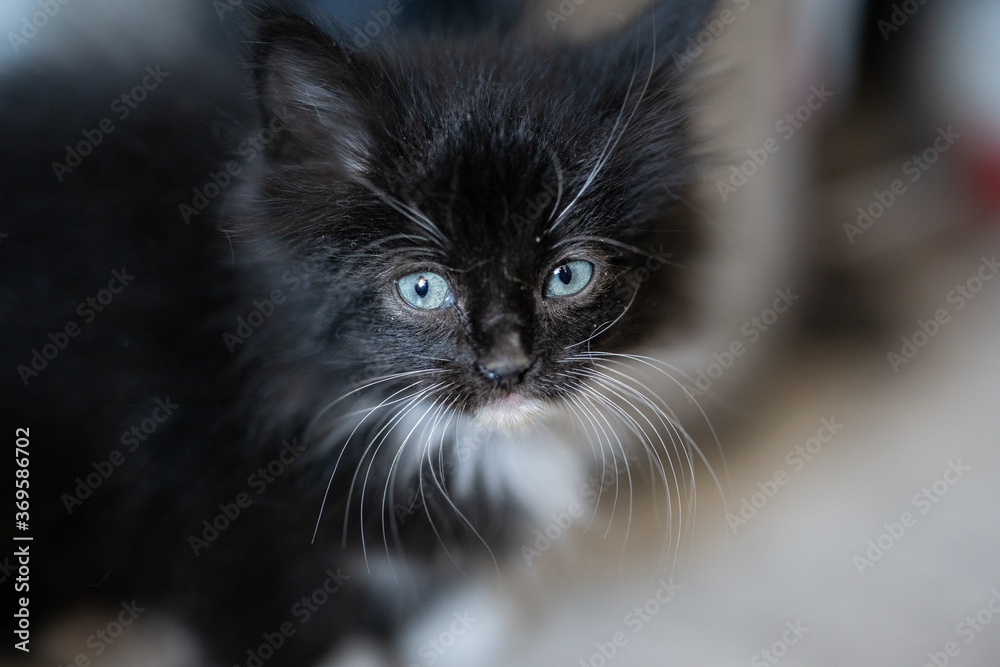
x: 473, y: 128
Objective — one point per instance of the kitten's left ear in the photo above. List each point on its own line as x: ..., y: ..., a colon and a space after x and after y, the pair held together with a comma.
x: 320, y: 95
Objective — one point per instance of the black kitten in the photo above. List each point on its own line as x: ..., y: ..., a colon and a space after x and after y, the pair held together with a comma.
x: 267, y: 344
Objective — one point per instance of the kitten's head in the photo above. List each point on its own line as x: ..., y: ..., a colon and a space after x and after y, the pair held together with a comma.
x: 489, y: 211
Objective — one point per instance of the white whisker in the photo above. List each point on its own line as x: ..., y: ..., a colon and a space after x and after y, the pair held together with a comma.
x: 461, y: 516
x: 409, y: 211
x: 384, y: 432
x: 613, y: 137
x: 389, y: 481
x: 340, y: 456
x: 604, y: 327
x: 655, y: 364
x: 652, y: 450
x: 591, y: 417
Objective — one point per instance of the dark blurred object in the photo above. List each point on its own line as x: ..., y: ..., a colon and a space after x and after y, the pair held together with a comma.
x: 962, y: 49
x: 924, y: 66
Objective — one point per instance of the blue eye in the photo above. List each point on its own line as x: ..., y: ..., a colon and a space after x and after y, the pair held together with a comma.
x: 425, y: 290
x: 569, y: 278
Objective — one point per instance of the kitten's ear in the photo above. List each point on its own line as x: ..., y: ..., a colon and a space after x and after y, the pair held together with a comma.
x: 316, y: 92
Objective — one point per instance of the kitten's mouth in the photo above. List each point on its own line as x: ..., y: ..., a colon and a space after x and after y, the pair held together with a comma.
x: 510, y: 412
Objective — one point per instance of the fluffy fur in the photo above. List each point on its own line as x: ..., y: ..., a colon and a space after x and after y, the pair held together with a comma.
x: 271, y: 318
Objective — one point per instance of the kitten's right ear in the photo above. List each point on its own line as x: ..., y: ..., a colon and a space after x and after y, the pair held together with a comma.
x: 315, y: 91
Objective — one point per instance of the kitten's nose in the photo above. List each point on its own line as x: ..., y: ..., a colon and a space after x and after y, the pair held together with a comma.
x: 506, y: 361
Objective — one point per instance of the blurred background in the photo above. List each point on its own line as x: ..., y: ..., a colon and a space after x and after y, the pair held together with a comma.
x: 861, y: 520
x: 853, y: 152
